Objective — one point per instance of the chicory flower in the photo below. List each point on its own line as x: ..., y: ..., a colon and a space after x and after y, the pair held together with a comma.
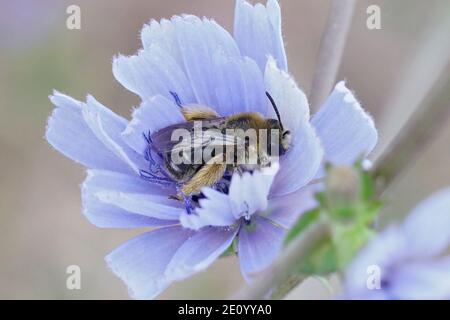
x: 408, y: 261
x: 188, y: 60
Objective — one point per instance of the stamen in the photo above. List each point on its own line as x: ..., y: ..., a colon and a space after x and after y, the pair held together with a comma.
x: 188, y: 204
x: 155, y: 173
x: 246, y: 212
x: 154, y: 178
x: 176, y: 98
x: 148, y: 138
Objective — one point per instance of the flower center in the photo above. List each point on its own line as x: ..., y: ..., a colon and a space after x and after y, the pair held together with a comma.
x: 167, y: 155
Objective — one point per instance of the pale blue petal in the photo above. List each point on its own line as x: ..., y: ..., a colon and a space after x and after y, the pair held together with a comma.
x: 258, y: 246
x: 214, y: 210
x: 154, y: 114
x: 291, y: 102
x: 408, y: 256
x: 153, y: 72
x: 421, y: 280
x: 163, y: 35
x: 286, y: 210
x: 155, y: 206
x: 141, y: 262
x: 249, y: 191
x: 383, y: 251
x: 301, y: 162
x: 257, y: 30
x: 68, y: 133
x: 239, y: 85
x: 247, y: 195
x: 412, y: 280
x: 198, y: 41
x: 105, y: 215
x: 209, y: 57
x: 199, y: 252
x: 253, y: 78
x: 346, y: 131
x: 108, y: 130
x: 428, y: 226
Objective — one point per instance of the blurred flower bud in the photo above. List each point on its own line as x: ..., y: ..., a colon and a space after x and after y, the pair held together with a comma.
x: 343, y: 186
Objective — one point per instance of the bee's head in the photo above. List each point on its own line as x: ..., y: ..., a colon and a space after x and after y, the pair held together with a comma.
x: 284, y: 137
x: 285, y: 141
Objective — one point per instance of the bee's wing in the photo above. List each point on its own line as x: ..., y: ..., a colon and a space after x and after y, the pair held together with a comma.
x: 163, y: 141
x: 205, y: 139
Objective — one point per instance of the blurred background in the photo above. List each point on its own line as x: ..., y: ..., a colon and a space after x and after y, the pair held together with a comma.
x: 42, y: 230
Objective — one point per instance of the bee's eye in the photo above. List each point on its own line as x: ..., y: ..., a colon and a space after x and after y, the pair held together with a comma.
x: 285, y: 141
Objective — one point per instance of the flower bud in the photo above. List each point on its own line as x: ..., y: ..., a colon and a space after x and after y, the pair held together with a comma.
x: 343, y: 186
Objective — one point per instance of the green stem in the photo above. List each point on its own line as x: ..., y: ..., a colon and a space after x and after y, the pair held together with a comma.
x: 414, y: 137
x: 331, y: 50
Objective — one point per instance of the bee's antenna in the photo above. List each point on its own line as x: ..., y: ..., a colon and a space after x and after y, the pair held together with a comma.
x: 275, y: 108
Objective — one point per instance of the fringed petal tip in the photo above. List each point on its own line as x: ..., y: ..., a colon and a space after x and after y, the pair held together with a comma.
x: 249, y: 192
x: 214, y: 210
x: 349, y: 98
x: 68, y: 132
x: 257, y: 31
x: 347, y: 132
x: 157, y: 285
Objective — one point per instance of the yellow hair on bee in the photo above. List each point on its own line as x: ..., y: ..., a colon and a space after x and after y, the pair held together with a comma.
x: 207, y: 176
x: 197, y: 112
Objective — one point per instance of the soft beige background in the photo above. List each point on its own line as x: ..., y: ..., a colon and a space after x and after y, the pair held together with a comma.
x: 42, y: 230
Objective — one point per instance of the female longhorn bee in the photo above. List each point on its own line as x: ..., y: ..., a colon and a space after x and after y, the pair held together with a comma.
x: 227, y: 142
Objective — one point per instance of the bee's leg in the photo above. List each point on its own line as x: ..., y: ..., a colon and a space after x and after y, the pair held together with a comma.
x: 177, y: 197
x: 197, y: 112
x: 207, y: 176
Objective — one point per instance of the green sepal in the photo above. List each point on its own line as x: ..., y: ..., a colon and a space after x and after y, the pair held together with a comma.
x: 231, y: 250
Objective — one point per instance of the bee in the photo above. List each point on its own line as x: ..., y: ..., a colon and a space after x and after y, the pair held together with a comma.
x: 229, y: 150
